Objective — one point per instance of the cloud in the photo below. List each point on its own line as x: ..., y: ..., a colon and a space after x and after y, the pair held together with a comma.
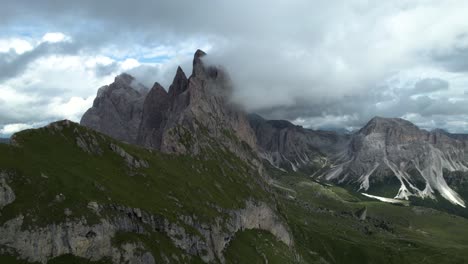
x: 54, y: 37
x: 9, y: 129
x: 430, y: 85
x: 13, y: 64
x: 53, y: 87
x: 320, y: 63
x: 15, y: 44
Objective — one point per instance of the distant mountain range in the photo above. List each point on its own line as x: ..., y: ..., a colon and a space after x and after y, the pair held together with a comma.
x: 183, y: 175
x: 386, y: 151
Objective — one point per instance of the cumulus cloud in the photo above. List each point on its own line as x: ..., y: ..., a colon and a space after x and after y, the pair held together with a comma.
x: 12, y: 128
x: 319, y: 63
x: 430, y: 85
x: 13, y: 64
x: 54, y: 37
x: 17, y: 45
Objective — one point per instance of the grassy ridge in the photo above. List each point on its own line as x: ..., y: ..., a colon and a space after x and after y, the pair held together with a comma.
x: 50, y: 174
x: 49, y: 165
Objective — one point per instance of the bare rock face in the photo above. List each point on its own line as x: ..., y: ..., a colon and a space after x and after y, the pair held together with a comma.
x: 131, y: 161
x: 193, y: 116
x: 7, y: 196
x: 117, y: 109
x: 201, y: 112
x: 94, y: 242
x: 292, y: 147
x: 392, y: 147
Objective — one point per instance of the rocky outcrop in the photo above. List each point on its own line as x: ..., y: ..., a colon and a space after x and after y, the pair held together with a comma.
x: 7, y: 196
x: 131, y: 161
x: 292, y: 147
x: 361, y: 214
x: 392, y: 147
x: 88, y: 143
x: 94, y: 242
x: 222, y: 231
x: 117, y: 109
x: 215, y: 236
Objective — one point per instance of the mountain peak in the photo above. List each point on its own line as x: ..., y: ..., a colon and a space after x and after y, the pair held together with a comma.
x: 384, y: 124
x: 124, y: 77
x: 199, y: 53
x: 280, y: 124
x: 158, y: 88
x: 179, y: 84
x: 117, y: 108
x: 198, y: 66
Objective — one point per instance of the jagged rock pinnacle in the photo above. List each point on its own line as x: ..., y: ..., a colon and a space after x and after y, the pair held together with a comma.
x: 198, y: 66
x: 199, y: 53
x: 179, y: 84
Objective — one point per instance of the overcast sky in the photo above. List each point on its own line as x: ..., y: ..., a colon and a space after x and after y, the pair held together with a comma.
x: 321, y: 64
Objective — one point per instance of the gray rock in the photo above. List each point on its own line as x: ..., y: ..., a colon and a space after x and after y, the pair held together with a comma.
x: 88, y: 143
x: 292, y: 147
x: 94, y: 242
x: 131, y: 161
x: 154, y: 117
x: 361, y: 214
x: 67, y: 212
x: 94, y: 206
x: 60, y: 197
x: 77, y: 238
x: 194, y: 115
x: 117, y: 109
x: 389, y: 148
x: 132, y: 253
x: 7, y: 196
x: 217, y: 235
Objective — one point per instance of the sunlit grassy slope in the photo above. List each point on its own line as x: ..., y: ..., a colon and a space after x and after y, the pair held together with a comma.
x: 49, y: 163
x: 46, y: 165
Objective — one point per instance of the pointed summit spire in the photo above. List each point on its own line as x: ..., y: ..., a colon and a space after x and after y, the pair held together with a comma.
x: 199, y: 53
x: 179, y: 84
x: 198, y: 67
x: 158, y: 89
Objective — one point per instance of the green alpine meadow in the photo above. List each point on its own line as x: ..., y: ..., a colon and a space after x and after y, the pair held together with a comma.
x: 233, y: 132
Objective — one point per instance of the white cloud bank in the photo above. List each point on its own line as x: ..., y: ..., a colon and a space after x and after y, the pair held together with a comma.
x: 320, y: 63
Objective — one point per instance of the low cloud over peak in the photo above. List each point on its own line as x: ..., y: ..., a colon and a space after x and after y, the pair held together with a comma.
x: 319, y: 64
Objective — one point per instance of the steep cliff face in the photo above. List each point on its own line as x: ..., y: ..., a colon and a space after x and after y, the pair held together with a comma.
x: 95, y: 241
x: 77, y: 192
x: 154, y: 117
x: 117, y: 109
x: 392, y: 147
x: 195, y: 114
x: 208, y: 115
x: 7, y: 196
x: 191, y: 117
x: 292, y: 147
